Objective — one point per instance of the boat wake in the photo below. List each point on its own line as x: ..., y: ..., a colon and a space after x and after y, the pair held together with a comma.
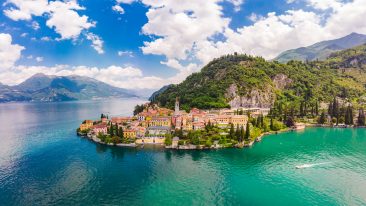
x: 310, y: 165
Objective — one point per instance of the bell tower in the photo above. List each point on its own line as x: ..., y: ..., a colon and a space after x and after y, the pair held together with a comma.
x: 176, y: 110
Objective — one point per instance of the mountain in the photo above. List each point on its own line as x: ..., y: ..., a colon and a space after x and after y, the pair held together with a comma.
x: 161, y: 90
x: 322, y: 49
x: 244, y: 81
x: 45, y: 88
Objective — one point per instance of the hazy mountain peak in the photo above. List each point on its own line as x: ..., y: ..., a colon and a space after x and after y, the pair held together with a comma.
x: 41, y: 87
x: 323, y: 49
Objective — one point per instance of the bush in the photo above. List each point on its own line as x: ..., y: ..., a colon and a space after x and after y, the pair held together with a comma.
x: 277, y: 126
x: 168, y: 139
x: 208, y: 143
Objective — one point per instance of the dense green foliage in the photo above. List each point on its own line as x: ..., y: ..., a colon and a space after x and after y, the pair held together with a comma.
x: 311, y: 83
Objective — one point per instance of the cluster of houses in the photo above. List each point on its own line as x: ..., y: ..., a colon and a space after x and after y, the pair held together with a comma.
x: 153, y: 123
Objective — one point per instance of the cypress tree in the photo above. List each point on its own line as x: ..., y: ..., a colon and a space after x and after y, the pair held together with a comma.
x: 302, y: 109
x: 117, y: 131
x: 242, y: 134
x: 237, y: 132
x: 330, y: 109
x: 262, y: 121
x: 361, y: 118
x: 322, y: 118
x: 335, y: 108
x: 247, y: 132
x: 316, y: 108
x: 111, y: 130
x: 271, y: 124
x: 120, y: 132
x: 231, y: 132
x: 350, y: 115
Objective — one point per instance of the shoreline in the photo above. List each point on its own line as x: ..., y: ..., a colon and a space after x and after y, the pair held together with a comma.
x: 217, y: 146
x: 185, y: 147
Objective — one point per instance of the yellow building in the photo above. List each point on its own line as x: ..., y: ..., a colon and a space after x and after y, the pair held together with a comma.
x: 160, y: 121
x: 86, y: 125
x: 151, y: 140
x: 223, y: 119
x: 239, y: 120
x: 129, y: 133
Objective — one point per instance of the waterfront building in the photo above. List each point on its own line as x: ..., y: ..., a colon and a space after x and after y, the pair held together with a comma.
x: 158, y: 130
x: 86, y: 125
x: 129, y: 133
x: 100, y: 128
x: 239, y: 120
x: 160, y: 121
x: 121, y: 120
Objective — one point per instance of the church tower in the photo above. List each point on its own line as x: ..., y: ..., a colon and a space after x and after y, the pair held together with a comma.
x: 176, y: 110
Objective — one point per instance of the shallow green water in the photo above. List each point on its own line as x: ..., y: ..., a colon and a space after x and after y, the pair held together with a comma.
x: 42, y: 162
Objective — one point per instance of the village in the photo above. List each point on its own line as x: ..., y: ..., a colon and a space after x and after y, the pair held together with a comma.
x: 176, y: 129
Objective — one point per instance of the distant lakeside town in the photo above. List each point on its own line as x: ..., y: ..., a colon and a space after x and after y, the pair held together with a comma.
x: 179, y: 129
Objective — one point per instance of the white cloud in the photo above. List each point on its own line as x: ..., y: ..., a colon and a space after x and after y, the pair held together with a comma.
x: 180, y: 25
x: 66, y: 21
x: 237, y: 4
x: 325, y: 4
x: 254, y: 17
x: 62, y: 15
x: 118, y: 9
x: 9, y: 53
x: 35, y: 25
x: 125, y: 53
x: 185, y: 31
x: 97, y: 42
x: 39, y: 59
x: 24, y: 34
x: 126, y: 1
x: 46, y: 38
x: 25, y: 9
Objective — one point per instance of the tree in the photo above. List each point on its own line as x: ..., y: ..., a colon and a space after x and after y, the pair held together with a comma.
x: 290, y: 122
x: 335, y: 108
x: 361, y: 120
x: 237, y: 132
x: 330, y: 109
x: 111, y: 132
x: 271, y: 124
x: 117, y: 130
x: 348, y: 116
x: 138, y: 109
x: 316, y: 108
x: 322, y: 118
x: 247, y: 132
x: 168, y: 139
x: 242, y: 134
x: 231, y: 132
x: 120, y: 132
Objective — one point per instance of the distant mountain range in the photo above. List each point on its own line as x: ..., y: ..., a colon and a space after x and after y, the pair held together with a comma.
x: 45, y: 88
x: 323, y: 49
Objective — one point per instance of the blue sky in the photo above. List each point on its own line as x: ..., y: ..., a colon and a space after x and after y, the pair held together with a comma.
x: 144, y: 44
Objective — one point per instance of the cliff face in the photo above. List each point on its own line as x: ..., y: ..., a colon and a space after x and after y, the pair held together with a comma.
x: 254, y: 99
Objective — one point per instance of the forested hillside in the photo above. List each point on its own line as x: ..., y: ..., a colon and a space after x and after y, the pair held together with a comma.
x: 246, y: 81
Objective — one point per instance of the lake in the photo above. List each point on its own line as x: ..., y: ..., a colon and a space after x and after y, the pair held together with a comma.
x: 43, y: 162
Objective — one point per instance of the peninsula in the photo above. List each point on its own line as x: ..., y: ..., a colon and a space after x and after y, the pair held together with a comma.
x: 236, y: 99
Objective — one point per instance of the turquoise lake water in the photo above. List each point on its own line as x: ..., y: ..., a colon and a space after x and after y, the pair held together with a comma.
x: 43, y: 162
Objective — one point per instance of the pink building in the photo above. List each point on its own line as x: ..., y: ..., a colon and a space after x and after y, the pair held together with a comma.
x: 100, y: 128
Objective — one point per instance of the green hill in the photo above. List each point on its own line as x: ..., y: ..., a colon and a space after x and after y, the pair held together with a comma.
x: 246, y: 81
